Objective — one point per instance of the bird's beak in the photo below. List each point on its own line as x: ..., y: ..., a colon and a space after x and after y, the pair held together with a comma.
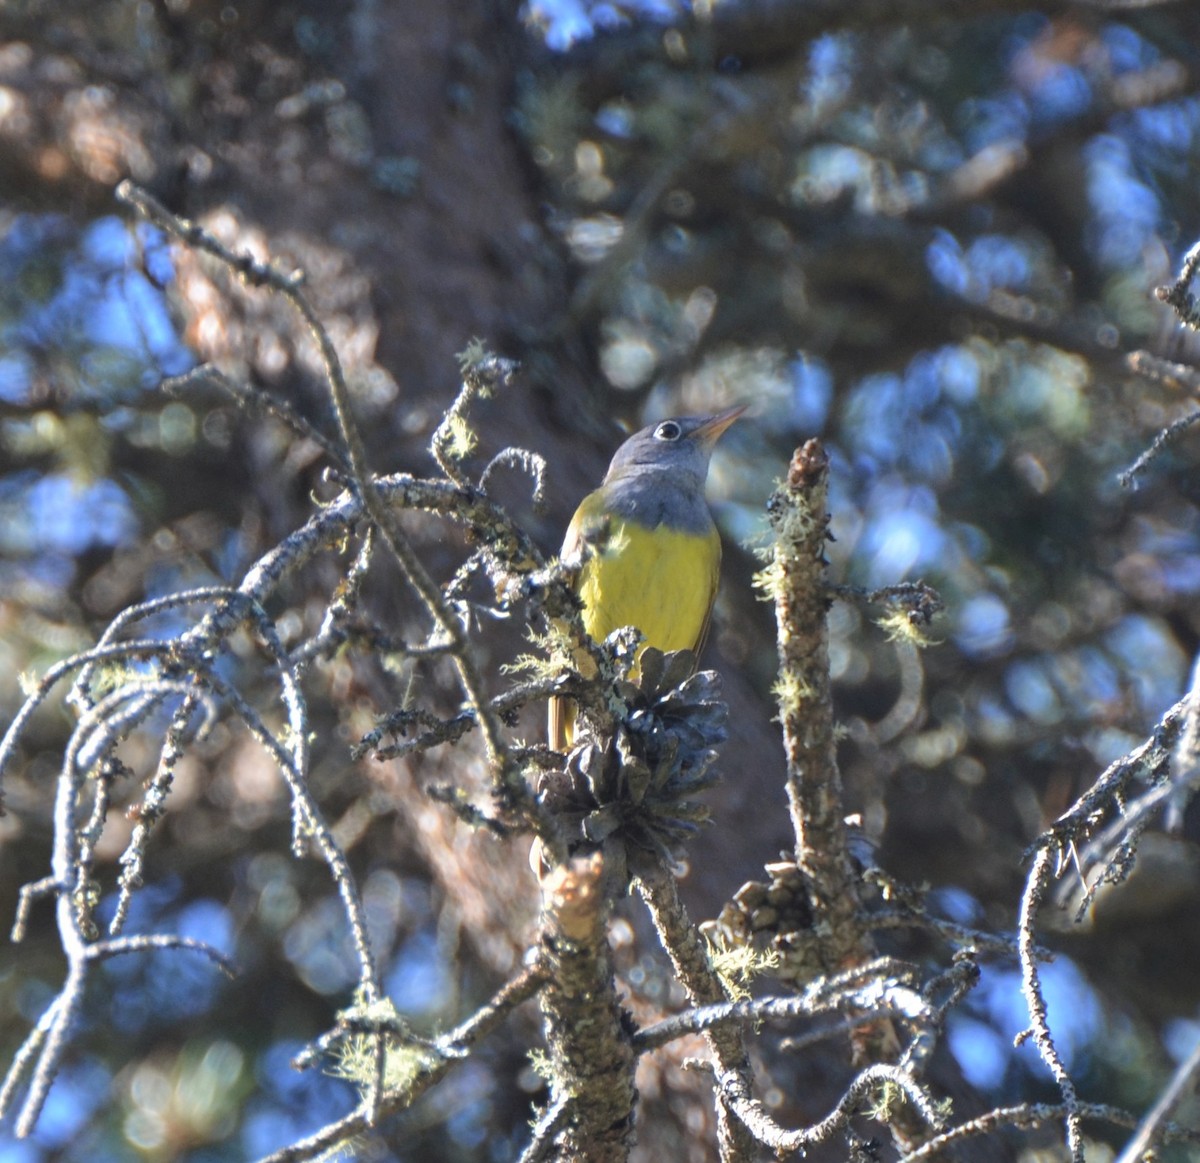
x: 710, y: 431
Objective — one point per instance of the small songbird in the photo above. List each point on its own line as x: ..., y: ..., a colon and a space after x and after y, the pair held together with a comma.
x: 651, y: 555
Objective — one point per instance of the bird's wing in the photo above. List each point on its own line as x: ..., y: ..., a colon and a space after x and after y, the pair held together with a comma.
x: 713, y: 583
x: 560, y: 717
x: 573, y: 541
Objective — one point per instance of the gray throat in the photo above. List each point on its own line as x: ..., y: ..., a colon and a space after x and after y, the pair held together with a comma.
x: 659, y: 498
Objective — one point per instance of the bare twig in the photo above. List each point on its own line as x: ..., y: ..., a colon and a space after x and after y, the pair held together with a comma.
x: 1029, y: 1116
x: 869, y: 991
x: 454, y: 440
x: 546, y: 1130
x: 1146, y: 761
x: 907, y: 917
x: 682, y: 943
x: 766, y: 1130
x: 1178, y: 295
x: 1181, y: 377
x: 152, y: 808
x: 254, y: 400
x: 1165, y: 437
x: 528, y: 462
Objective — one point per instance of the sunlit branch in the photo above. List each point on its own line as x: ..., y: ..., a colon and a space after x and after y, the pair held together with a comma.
x: 150, y: 942
x: 751, y: 1112
x: 1178, y: 295
x: 1030, y: 1116
x: 153, y: 807
x: 890, y: 999
x: 541, y: 1147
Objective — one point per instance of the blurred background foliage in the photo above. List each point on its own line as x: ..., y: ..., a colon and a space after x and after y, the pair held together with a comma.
x: 930, y: 240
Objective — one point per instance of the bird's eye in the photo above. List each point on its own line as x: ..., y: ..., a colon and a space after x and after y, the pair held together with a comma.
x: 668, y: 430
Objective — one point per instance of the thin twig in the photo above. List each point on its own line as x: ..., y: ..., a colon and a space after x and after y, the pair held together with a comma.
x: 1166, y: 436
x: 541, y: 1147
x: 1035, y: 1001
x: 256, y: 400
x: 1030, y: 1116
x: 783, y: 1142
x: 682, y: 943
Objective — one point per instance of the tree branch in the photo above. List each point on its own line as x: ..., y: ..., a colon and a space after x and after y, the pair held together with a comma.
x: 591, y: 1059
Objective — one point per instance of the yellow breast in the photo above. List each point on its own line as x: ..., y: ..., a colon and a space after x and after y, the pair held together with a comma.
x: 660, y: 580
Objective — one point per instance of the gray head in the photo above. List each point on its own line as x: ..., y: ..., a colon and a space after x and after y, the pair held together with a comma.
x: 657, y: 475
x: 679, y: 448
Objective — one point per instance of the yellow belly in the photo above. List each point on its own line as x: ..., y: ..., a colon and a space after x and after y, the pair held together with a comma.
x: 660, y: 580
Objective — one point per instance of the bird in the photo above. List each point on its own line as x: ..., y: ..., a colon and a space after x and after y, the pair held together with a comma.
x: 649, y: 551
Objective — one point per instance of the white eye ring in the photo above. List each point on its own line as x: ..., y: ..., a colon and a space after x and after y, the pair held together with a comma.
x: 668, y: 430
